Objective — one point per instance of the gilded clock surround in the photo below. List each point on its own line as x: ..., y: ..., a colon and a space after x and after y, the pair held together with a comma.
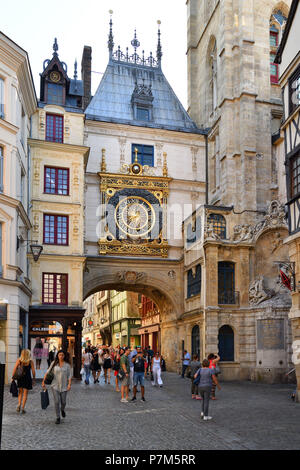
x: 134, y: 213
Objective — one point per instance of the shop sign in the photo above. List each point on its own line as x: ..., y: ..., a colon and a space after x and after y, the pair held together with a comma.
x: 118, y: 335
x: 46, y: 328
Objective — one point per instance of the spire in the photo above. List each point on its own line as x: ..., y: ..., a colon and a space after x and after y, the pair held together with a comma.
x: 55, y: 47
x: 110, y: 37
x: 159, y: 50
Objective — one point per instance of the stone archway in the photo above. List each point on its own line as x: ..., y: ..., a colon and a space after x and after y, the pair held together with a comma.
x: 160, y: 280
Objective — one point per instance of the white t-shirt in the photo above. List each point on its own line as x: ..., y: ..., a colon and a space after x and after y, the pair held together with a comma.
x: 87, y: 359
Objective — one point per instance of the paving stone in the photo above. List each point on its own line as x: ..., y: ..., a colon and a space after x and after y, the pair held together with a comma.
x: 246, y: 415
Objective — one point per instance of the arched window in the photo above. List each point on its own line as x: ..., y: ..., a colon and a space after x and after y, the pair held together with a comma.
x: 226, y: 283
x: 277, y: 24
x: 226, y: 343
x: 218, y: 223
x: 196, y: 341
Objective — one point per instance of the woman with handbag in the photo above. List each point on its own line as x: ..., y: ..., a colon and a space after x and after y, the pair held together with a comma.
x: 60, y: 371
x: 204, y: 378
x: 22, y: 371
x: 95, y: 366
x: 107, y: 365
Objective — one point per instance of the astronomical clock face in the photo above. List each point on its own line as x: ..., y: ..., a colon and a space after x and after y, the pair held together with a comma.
x: 135, y: 217
x: 55, y: 76
x: 133, y: 213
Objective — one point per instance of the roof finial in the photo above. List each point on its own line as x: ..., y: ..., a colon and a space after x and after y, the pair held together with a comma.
x: 136, y: 155
x: 159, y: 50
x: 55, y: 47
x: 110, y: 37
x: 135, y: 43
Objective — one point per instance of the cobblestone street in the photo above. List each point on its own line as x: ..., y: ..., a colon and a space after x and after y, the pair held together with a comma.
x: 245, y: 416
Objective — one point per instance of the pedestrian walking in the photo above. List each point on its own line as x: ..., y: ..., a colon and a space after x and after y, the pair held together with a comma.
x: 206, y: 378
x: 150, y: 354
x: 86, y: 362
x: 107, y: 365
x: 25, y: 367
x: 132, y: 354
x: 185, y: 362
x: 156, y: 370
x: 213, y: 364
x: 139, y: 373
x: 95, y: 366
x: 61, y: 383
x: 195, y: 366
x: 38, y: 352
x: 116, y: 367
x: 125, y: 366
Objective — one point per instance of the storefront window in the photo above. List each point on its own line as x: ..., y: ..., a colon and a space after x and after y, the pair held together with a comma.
x: 45, y: 339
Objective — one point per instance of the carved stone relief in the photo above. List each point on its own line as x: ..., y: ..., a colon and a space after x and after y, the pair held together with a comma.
x: 130, y: 277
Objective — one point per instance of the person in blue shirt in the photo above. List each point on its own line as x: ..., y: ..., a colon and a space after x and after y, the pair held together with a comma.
x: 185, y: 362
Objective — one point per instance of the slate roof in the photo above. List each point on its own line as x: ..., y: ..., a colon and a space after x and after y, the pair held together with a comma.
x: 112, y: 100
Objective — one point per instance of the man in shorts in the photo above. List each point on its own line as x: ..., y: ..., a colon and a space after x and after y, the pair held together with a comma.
x: 125, y: 366
x: 139, y: 373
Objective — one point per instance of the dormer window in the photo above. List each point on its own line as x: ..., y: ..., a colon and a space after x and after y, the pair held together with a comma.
x: 141, y: 101
x: 55, y: 94
x: 142, y: 114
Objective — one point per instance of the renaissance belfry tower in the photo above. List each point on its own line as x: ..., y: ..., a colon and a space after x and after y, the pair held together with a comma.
x: 146, y: 173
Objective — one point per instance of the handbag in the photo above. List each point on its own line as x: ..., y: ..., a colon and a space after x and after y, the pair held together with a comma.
x: 50, y: 376
x: 14, y: 389
x: 197, y: 379
x: 20, y: 372
x: 44, y: 399
x: 121, y: 374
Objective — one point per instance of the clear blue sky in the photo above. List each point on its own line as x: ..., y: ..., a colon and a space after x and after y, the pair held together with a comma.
x: 33, y: 24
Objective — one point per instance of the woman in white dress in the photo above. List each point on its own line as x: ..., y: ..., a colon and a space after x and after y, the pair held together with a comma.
x: 156, y: 370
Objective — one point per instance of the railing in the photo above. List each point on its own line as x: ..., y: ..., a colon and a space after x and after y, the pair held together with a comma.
x: 229, y: 297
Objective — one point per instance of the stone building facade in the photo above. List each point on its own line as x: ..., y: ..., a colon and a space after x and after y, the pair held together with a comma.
x: 288, y: 142
x: 17, y: 104
x: 146, y: 151
x: 235, y: 242
x: 59, y: 161
x: 96, y: 324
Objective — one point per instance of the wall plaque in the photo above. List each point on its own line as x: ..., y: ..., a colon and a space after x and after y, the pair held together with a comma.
x: 270, y: 334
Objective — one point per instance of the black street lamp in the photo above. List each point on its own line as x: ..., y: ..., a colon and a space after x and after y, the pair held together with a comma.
x: 36, y: 250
